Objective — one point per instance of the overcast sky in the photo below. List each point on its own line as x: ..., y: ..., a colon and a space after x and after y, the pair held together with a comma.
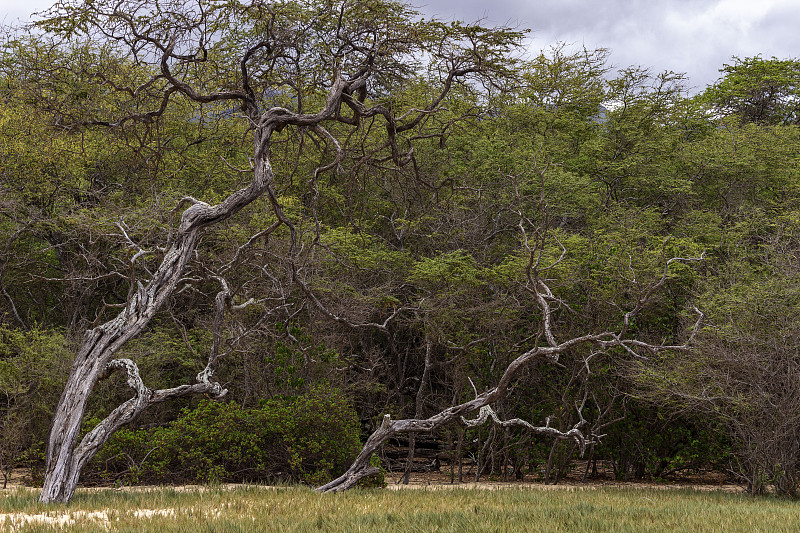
x: 692, y: 36
x: 695, y: 37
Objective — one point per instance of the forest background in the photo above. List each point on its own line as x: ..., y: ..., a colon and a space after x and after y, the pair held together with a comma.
x: 403, y: 285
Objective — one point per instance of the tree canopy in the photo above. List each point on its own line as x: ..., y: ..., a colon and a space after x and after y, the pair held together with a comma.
x: 318, y: 206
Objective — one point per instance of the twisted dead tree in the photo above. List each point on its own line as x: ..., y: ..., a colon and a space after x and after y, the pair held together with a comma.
x: 312, y: 66
x: 547, y: 347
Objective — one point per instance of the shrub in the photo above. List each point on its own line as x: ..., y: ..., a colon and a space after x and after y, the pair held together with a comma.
x: 309, y: 438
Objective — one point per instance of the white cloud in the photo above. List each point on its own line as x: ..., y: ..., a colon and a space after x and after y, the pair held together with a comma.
x: 16, y: 11
x: 727, y: 17
x: 693, y: 36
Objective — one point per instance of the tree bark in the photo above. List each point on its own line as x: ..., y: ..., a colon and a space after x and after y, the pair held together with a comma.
x: 64, y: 460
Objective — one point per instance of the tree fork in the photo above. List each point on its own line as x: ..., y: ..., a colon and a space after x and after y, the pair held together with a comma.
x: 63, y: 459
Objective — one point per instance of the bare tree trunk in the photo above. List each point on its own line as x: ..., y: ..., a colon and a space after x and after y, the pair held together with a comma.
x: 488, y: 454
x: 64, y: 460
x: 459, y: 454
x: 506, y: 453
x: 412, y: 437
x: 388, y: 428
x: 589, y: 462
x: 412, y: 441
x: 481, y: 466
x: 548, y: 469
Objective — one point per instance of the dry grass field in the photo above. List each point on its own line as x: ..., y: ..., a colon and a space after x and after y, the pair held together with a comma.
x: 288, y: 509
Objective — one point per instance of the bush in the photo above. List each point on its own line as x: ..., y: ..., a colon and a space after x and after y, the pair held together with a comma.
x: 33, y: 367
x: 310, y: 439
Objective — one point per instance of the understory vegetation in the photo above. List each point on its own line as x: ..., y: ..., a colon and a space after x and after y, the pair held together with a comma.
x: 401, y: 273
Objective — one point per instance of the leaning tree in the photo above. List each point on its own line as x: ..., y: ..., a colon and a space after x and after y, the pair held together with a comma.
x: 322, y: 67
x: 544, y: 346
x: 329, y: 70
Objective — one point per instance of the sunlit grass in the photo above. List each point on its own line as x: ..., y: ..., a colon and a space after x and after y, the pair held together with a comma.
x: 457, y: 510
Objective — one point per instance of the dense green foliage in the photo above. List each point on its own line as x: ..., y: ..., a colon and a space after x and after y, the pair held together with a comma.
x: 307, y: 438
x: 620, y: 171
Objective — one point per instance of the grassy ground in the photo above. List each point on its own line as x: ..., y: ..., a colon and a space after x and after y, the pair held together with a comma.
x: 458, y: 510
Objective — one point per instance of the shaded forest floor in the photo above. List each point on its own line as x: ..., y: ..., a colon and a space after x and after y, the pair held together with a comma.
x: 444, y: 479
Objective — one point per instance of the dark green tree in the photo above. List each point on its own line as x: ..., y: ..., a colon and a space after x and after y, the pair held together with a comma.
x: 763, y: 91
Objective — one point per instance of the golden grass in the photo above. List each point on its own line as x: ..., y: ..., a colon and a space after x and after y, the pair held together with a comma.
x: 294, y: 509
